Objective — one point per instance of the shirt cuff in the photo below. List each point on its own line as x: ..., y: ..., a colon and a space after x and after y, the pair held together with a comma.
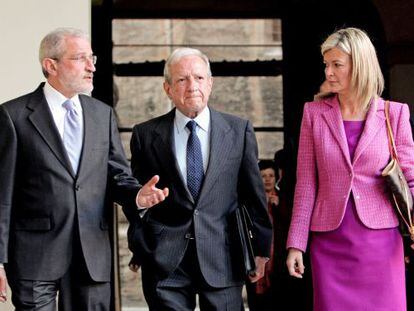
x: 1, y: 266
x: 142, y: 210
x: 136, y: 201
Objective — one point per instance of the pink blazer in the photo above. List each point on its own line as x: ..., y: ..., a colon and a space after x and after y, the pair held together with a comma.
x: 326, y: 175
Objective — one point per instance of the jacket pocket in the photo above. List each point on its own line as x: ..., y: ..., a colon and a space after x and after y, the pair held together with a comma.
x: 33, y: 224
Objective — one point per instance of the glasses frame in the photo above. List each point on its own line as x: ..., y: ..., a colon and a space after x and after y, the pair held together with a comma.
x: 81, y: 58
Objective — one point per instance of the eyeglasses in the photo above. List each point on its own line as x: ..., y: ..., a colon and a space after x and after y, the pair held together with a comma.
x: 82, y: 58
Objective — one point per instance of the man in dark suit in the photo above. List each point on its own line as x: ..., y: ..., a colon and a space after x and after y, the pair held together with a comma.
x: 61, y: 163
x: 208, y: 160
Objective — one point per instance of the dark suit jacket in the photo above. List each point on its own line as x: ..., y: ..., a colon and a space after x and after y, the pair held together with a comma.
x: 42, y: 199
x: 232, y: 176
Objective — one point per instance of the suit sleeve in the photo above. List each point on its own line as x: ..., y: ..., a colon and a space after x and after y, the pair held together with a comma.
x: 124, y: 187
x: 139, y: 155
x: 135, y: 152
x: 252, y: 191
x: 306, y: 187
x: 136, y: 238
x: 8, y: 154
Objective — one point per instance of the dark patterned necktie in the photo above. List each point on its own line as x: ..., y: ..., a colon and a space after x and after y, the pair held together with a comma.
x: 195, y: 171
x: 72, y: 136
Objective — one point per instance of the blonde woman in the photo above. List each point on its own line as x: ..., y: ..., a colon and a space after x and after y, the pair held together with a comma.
x: 342, y: 208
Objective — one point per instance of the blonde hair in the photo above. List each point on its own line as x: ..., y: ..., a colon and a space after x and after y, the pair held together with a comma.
x: 367, y: 79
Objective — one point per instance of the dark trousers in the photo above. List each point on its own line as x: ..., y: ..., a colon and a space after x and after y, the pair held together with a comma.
x: 75, y: 289
x: 179, y: 290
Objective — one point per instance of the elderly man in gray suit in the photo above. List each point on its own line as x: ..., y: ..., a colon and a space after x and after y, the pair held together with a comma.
x: 61, y: 163
x: 208, y: 161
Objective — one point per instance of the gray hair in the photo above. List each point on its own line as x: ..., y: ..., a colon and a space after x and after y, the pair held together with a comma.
x: 367, y: 79
x: 179, y: 53
x: 53, y: 44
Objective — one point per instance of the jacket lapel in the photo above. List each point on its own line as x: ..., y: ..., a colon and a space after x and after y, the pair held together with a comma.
x: 90, y: 132
x: 163, y: 147
x: 219, y: 149
x: 42, y: 120
x: 334, y: 121
x: 374, y: 122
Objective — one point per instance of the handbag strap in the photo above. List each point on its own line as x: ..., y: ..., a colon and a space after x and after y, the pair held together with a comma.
x: 393, y: 151
x: 391, y: 141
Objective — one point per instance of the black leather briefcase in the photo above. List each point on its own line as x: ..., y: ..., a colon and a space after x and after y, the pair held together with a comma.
x: 242, y: 234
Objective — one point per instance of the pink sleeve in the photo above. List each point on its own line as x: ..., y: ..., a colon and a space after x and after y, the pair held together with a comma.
x: 405, y: 145
x: 306, y: 185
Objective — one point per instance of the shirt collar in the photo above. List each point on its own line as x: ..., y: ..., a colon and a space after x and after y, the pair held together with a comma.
x: 202, y: 120
x: 56, y: 99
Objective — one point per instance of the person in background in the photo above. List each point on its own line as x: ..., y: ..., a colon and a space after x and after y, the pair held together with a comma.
x: 61, y: 163
x: 285, y: 287
x: 208, y: 160
x: 260, y: 293
x: 324, y: 90
x: 341, y: 204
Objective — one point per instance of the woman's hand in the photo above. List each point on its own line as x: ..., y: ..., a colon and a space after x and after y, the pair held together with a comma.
x: 273, y: 199
x: 294, y: 263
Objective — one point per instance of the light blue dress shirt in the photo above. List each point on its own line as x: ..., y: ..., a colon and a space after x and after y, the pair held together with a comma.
x: 181, y: 134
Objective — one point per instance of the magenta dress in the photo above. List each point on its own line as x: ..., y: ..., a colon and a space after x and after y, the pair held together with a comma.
x: 355, y: 268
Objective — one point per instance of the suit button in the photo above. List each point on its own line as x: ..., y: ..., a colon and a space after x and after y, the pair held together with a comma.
x: 196, y: 212
x: 77, y: 187
x: 189, y: 236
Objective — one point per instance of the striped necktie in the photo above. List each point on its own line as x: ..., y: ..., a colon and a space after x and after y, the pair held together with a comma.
x: 72, y: 136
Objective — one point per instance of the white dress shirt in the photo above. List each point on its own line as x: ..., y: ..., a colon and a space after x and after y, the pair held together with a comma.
x: 55, y: 100
x: 181, y: 134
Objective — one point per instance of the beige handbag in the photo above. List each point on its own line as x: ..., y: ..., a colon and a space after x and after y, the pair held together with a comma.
x: 397, y: 184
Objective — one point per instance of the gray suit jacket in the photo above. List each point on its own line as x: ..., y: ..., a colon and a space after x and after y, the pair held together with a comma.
x: 232, y: 176
x: 42, y: 199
